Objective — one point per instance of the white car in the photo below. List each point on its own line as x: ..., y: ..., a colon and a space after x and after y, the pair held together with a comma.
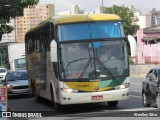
x: 3, y: 73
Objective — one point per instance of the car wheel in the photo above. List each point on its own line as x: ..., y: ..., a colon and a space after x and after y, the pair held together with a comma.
x: 113, y: 103
x: 145, y: 100
x: 158, y: 100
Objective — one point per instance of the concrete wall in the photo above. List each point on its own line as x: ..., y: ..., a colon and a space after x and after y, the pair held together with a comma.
x: 141, y: 70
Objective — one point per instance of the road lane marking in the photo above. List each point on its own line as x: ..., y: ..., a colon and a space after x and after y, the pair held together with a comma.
x: 136, y: 84
x: 136, y: 96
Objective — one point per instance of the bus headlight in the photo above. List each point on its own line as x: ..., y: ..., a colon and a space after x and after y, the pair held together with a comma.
x: 68, y: 90
x: 123, y: 86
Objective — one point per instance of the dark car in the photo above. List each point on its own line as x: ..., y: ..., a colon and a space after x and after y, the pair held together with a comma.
x: 151, y: 88
x: 17, y: 82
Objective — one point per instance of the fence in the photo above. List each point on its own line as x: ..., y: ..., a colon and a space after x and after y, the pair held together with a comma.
x: 141, y: 70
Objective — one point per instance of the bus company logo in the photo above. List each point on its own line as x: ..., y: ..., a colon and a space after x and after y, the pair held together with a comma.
x: 6, y: 114
x: 96, y: 88
x: 82, y: 86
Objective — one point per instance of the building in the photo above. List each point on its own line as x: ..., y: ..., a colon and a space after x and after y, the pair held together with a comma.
x: 148, y: 41
x: 32, y: 17
x: 74, y: 9
x: 100, y: 9
x: 144, y: 20
x: 12, y: 36
x: 148, y: 19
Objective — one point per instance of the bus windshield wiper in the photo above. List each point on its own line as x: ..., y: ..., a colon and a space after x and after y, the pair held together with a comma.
x: 85, y: 68
x: 105, y: 68
x: 87, y: 64
x: 73, y: 62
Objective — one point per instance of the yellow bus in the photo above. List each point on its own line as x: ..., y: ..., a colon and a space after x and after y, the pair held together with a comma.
x: 65, y: 63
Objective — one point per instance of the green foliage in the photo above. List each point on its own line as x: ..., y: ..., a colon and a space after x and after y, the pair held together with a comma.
x: 127, y: 17
x: 10, y: 9
x: 130, y: 60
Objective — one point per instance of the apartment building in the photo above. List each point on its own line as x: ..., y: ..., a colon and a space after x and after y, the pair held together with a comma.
x: 32, y: 17
x: 144, y: 20
x: 100, y: 9
x: 74, y: 9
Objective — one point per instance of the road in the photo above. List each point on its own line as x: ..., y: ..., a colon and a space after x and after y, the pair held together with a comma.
x: 26, y: 103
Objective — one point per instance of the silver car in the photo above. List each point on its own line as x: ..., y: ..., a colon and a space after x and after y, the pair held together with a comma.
x: 17, y: 82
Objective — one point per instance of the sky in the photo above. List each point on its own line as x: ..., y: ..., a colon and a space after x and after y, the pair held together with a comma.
x: 90, y: 5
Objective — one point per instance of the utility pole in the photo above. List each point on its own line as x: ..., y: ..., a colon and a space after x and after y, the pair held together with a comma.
x: 102, y: 8
x: 102, y: 3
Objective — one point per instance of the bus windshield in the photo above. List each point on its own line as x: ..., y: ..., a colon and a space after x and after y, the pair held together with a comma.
x: 19, y: 64
x: 94, y: 30
x: 90, y: 62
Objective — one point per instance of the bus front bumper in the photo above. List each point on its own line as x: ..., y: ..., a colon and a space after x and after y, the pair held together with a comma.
x: 94, y: 97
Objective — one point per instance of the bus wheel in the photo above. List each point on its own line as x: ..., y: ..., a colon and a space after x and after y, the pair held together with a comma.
x: 112, y: 103
x: 32, y: 89
x: 56, y: 106
x: 38, y: 99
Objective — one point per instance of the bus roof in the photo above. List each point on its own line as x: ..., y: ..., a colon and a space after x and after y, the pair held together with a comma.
x: 84, y: 17
x: 78, y: 18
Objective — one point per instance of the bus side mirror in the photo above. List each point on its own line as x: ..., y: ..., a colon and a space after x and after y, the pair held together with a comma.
x: 133, y: 45
x: 53, y: 51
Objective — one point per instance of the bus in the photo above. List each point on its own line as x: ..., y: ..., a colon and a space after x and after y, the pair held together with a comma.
x: 63, y: 58
x: 19, y: 64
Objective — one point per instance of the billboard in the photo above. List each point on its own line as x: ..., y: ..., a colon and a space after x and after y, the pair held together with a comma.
x: 3, y: 98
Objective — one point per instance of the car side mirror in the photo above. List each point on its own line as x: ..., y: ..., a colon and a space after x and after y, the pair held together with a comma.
x: 152, y: 77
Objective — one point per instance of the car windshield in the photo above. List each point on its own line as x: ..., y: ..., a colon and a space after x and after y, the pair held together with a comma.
x: 16, y: 76
x: 89, y: 60
x: 2, y: 70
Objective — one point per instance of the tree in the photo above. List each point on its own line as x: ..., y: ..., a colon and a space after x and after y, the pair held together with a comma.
x: 127, y: 17
x: 10, y: 9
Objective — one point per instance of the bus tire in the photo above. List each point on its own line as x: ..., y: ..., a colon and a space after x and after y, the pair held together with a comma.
x: 38, y: 99
x: 112, y: 103
x: 32, y: 89
x: 56, y: 106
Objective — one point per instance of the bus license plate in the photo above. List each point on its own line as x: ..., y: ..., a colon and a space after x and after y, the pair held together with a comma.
x: 100, y: 97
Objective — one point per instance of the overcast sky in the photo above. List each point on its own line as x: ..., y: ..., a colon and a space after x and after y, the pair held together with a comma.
x: 90, y: 5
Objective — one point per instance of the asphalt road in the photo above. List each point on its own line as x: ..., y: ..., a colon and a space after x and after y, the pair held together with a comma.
x: 124, y: 108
